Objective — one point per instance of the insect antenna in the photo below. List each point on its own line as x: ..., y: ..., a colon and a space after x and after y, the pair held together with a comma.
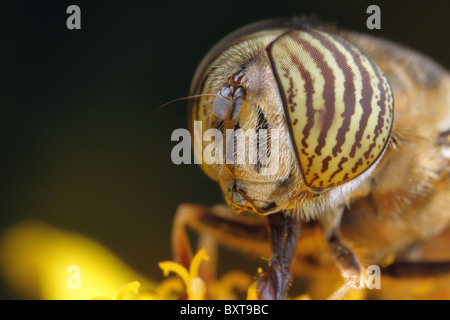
x: 186, y: 98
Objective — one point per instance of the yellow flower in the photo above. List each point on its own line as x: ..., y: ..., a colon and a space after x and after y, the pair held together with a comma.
x: 223, y: 289
x: 195, y: 287
x: 41, y: 262
x: 131, y: 287
x: 130, y: 291
x: 252, y: 293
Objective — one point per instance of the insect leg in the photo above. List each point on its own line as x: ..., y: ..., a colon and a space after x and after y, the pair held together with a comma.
x: 217, y: 224
x: 348, y: 266
x: 284, y: 233
x: 181, y: 248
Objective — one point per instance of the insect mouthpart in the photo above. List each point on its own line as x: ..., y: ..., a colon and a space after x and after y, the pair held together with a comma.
x: 238, y: 201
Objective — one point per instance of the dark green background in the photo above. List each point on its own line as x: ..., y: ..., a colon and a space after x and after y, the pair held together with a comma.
x: 82, y: 146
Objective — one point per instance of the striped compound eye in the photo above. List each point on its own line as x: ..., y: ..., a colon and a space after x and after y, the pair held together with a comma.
x: 338, y: 103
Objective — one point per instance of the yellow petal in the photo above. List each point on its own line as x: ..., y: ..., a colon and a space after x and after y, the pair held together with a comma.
x: 40, y: 262
x: 224, y: 288
x: 170, y: 266
x: 196, y: 290
x: 169, y: 286
x: 195, y: 264
x: 252, y: 293
x: 129, y: 287
x: 195, y: 287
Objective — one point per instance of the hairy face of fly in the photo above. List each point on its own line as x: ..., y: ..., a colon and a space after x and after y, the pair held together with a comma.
x: 264, y: 175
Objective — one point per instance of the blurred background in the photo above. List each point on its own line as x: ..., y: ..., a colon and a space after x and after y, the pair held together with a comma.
x: 82, y: 145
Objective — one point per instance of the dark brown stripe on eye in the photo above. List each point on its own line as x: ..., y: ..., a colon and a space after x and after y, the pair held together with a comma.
x: 340, y: 168
x: 349, y: 90
x: 292, y: 90
x: 325, y: 163
x: 366, y: 99
x: 382, y: 104
x: 309, y: 89
x: 314, y: 178
x: 357, y: 164
x: 328, y: 91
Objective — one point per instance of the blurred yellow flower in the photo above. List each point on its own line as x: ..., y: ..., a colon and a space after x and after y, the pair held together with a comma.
x: 41, y: 262
x: 164, y: 291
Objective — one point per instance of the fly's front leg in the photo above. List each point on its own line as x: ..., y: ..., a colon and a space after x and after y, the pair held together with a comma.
x: 217, y: 224
x: 345, y: 260
x: 284, y: 233
x: 347, y: 264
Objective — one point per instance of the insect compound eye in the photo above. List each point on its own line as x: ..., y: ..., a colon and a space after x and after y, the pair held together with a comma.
x: 228, y: 102
x: 338, y: 103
